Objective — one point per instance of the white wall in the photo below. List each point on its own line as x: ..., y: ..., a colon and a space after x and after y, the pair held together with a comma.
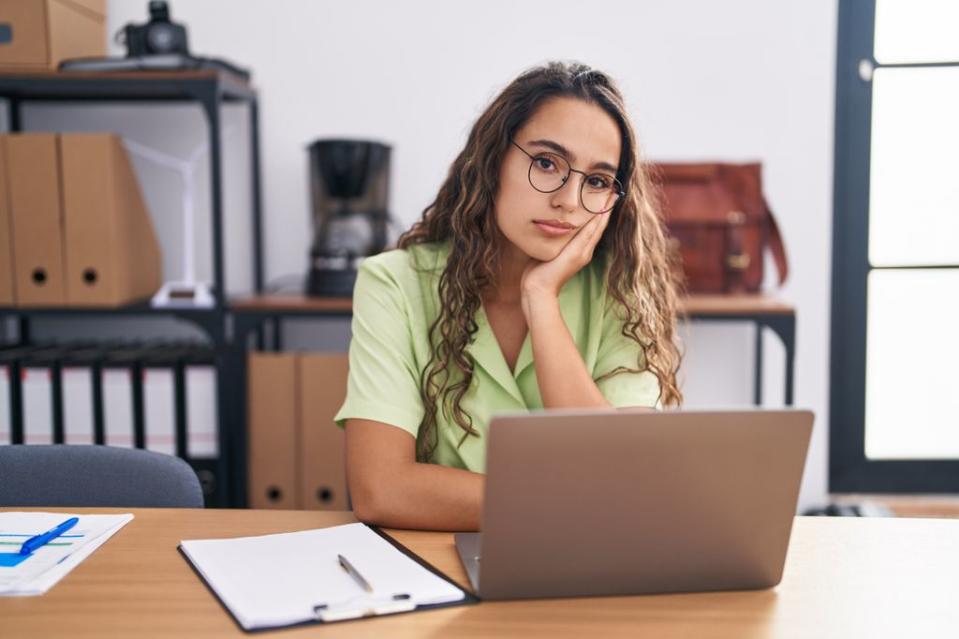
x: 733, y: 80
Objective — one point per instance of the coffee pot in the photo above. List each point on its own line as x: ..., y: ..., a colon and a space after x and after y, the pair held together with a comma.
x: 349, y: 182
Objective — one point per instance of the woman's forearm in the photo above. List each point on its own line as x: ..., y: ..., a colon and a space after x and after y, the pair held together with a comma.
x: 563, y: 379
x: 424, y: 496
x: 388, y: 487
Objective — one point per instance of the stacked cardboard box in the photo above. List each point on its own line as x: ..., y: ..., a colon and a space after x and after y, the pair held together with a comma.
x: 74, y: 229
x: 296, y: 452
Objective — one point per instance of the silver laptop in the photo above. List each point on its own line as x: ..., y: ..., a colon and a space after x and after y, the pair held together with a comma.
x: 621, y: 502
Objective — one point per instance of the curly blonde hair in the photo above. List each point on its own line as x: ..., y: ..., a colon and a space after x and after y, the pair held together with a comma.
x: 641, y: 271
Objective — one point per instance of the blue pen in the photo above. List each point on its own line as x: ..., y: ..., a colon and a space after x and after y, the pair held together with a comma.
x: 38, y: 540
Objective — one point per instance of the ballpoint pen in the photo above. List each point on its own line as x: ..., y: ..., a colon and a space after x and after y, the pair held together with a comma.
x: 353, y: 572
x: 39, y: 540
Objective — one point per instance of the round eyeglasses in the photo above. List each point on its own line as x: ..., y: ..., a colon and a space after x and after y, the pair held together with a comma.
x: 548, y: 172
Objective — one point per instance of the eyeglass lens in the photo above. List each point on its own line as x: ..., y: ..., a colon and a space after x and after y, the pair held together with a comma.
x: 599, y: 192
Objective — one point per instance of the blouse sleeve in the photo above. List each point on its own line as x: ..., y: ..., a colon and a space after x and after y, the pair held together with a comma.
x: 383, y: 383
x: 616, y: 350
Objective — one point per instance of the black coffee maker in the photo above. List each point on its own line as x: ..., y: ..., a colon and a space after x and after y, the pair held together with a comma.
x: 350, y: 189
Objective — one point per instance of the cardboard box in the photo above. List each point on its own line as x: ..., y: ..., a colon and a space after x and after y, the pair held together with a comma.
x: 112, y: 254
x: 7, y: 297
x: 33, y: 181
x: 322, y: 454
x: 39, y: 34
x: 80, y: 231
x: 272, y: 431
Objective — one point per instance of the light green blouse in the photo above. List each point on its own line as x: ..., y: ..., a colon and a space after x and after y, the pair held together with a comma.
x: 395, y: 302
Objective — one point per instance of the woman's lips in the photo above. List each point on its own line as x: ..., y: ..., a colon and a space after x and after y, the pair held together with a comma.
x: 552, y: 229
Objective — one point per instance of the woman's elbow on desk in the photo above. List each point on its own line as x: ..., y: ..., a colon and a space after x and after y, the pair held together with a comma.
x: 366, y: 510
x: 365, y: 498
x: 378, y: 501
x: 375, y: 456
x: 388, y: 487
x: 377, y: 505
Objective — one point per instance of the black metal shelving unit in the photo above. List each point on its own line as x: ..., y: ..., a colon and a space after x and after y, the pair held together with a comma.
x: 210, y: 89
x: 783, y: 325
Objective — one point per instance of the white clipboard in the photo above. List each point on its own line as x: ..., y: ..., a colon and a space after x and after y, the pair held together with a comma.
x: 274, y: 581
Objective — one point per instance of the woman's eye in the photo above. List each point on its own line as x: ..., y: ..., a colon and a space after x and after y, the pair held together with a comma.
x: 545, y: 163
x: 599, y: 182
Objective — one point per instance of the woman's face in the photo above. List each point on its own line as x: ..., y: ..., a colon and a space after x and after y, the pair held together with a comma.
x: 540, y: 224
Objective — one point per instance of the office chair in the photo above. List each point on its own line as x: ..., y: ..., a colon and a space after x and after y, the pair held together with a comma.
x: 73, y: 475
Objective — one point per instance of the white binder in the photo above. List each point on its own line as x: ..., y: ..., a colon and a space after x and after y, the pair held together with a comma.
x: 78, y: 374
x: 159, y: 406
x: 116, y: 387
x: 6, y: 416
x: 201, y: 408
x: 76, y: 384
x: 37, y: 393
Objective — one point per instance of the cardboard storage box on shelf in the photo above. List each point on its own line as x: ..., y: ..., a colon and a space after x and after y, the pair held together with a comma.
x: 296, y: 451
x: 112, y: 253
x: 33, y: 182
x: 38, y: 34
x: 272, y: 431
x: 80, y: 230
x: 322, y: 448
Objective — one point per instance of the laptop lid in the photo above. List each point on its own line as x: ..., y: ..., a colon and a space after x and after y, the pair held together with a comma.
x: 622, y: 502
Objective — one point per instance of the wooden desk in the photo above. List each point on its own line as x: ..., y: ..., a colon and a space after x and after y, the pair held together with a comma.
x: 844, y: 577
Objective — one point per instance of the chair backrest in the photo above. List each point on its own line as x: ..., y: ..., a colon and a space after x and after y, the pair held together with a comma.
x: 75, y: 475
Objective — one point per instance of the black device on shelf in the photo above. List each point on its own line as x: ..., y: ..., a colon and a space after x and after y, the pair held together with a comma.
x: 350, y: 187
x: 157, y: 36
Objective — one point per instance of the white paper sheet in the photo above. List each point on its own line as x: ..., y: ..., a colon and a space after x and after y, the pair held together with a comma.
x: 48, y: 564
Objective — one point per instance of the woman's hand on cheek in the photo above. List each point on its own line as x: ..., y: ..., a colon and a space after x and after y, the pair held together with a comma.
x: 547, y: 278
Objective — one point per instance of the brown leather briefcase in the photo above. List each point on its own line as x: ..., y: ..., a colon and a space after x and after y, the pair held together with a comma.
x: 717, y: 215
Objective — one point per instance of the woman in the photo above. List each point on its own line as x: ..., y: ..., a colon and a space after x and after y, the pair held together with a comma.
x: 538, y: 278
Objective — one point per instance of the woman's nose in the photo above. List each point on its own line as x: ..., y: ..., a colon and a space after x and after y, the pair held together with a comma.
x: 567, y: 196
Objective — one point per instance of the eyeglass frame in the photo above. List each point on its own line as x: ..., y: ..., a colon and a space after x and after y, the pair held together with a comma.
x: 532, y: 158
